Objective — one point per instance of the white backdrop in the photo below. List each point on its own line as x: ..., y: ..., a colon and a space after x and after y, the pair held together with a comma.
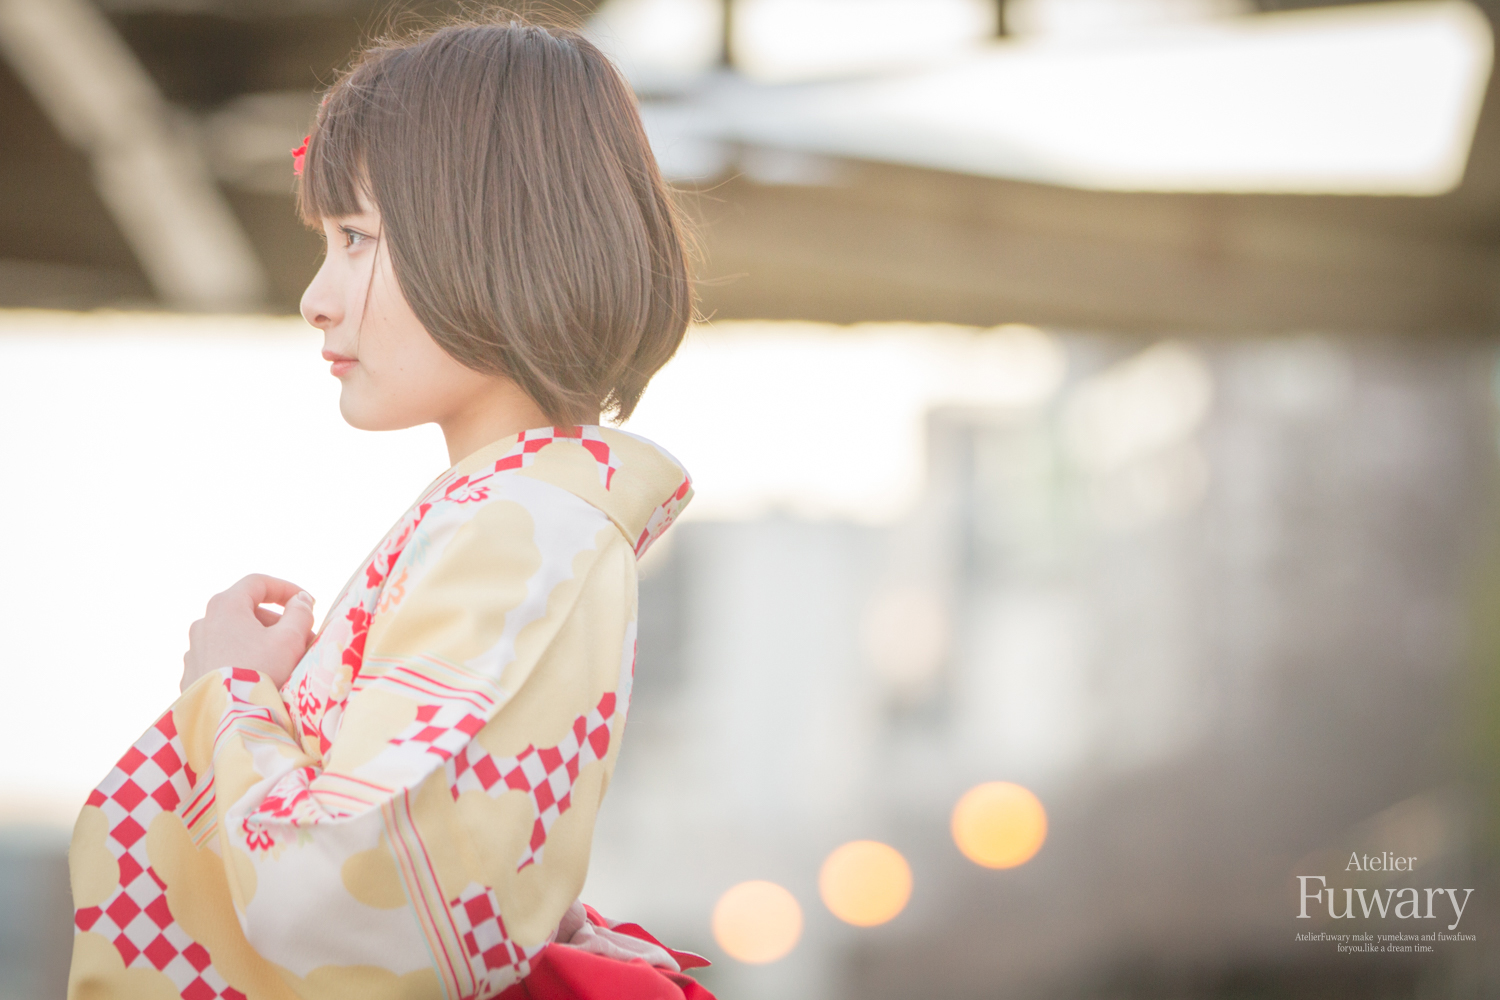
x: 150, y: 461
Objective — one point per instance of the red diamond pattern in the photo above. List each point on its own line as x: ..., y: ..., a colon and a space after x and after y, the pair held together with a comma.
x: 197, y: 956
x: 442, y: 730
x: 528, y: 443
x: 152, y: 777
x: 548, y: 774
x: 662, y: 517
x: 198, y: 990
x: 494, y: 959
x: 240, y: 683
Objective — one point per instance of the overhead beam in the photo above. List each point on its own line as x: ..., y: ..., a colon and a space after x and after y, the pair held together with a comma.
x: 884, y: 242
x: 147, y: 167
x: 894, y: 243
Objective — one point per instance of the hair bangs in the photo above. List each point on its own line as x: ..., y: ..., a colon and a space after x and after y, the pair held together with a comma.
x: 335, y: 175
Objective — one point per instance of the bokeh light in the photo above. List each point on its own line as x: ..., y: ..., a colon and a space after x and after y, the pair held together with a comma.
x: 999, y: 825
x: 757, y: 922
x: 865, y: 883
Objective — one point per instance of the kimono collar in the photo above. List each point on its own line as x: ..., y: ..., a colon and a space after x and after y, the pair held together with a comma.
x: 634, y: 481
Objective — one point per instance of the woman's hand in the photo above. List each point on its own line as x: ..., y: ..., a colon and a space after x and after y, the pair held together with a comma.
x: 236, y: 631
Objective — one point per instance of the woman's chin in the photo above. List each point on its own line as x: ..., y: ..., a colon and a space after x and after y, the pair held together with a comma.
x: 366, y: 415
x: 359, y: 414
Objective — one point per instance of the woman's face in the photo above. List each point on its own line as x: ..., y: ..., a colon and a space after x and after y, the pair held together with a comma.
x: 393, y: 374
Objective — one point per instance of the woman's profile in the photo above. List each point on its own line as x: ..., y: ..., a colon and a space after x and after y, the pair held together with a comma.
x: 402, y: 803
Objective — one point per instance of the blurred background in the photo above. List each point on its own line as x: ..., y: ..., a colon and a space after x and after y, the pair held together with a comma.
x: 1095, y: 429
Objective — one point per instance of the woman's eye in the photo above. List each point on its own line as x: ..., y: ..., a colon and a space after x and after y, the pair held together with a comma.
x: 353, y: 237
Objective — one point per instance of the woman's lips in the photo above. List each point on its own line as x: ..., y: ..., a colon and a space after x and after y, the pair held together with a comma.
x: 342, y: 364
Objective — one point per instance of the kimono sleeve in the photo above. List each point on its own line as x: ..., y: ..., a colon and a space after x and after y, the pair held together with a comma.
x: 433, y: 849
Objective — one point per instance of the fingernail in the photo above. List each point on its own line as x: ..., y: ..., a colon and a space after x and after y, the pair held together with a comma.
x: 303, y: 596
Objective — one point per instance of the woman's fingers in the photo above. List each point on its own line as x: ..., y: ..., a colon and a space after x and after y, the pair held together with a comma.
x: 224, y: 636
x: 257, y: 589
x: 190, y: 659
x: 297, y: 619
x: 290, y: 636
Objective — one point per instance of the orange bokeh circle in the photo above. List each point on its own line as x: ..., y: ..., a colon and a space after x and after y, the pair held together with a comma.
x: 757, y: 922
x: 999, y: 824
x: 865, y: 883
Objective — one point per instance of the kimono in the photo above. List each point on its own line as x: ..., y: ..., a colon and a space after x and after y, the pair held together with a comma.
x: 410, y: 815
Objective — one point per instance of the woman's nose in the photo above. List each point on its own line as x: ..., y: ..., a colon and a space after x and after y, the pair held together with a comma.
x: 319, y: 303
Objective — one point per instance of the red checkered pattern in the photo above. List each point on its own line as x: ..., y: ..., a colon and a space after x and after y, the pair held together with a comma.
x: 239, y: 683
x: 153, y: 777
x: 662, y: 517
x: 528, y: 443
x: 548, y: 774
x: 494, y: 959
x: 443, y: 730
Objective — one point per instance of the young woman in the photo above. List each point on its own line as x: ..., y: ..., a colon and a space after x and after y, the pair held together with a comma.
x: 401, y: 805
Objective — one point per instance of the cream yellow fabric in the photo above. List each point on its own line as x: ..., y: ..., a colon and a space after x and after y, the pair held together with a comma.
x: 411, y: 814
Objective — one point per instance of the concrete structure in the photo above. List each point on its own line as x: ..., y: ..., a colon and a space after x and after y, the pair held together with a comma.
x: 785, y: 233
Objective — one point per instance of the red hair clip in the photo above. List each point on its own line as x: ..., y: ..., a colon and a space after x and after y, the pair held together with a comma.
x: 299, y: 154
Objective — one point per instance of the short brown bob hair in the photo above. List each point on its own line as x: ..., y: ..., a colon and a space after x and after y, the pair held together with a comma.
x: 527, y: 222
